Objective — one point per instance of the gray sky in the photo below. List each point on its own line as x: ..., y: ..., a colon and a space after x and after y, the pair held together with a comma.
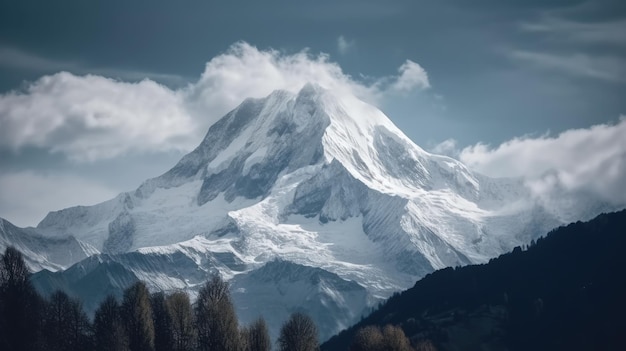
x: 493, y: 71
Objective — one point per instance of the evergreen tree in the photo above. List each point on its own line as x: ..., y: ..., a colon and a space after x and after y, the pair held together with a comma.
x: 163, y: 339
x: 20, y: 305
x: 181, y: 314
x: 299, y: 333
x: 108, y: 328
x: 65, y: 324
x: 216, y: 321
x: 137, y: 317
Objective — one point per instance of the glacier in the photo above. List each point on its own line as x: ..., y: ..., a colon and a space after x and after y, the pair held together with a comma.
x: 307, y: 201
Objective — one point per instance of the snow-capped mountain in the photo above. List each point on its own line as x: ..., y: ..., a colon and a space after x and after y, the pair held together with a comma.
x: 293, y: 193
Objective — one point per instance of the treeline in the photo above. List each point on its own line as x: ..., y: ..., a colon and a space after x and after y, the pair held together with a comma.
x: 139, y: 322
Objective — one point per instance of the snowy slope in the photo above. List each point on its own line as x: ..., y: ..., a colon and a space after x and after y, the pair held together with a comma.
x: 285, y: 287
x: 311, y: 180
x: 42, y: 252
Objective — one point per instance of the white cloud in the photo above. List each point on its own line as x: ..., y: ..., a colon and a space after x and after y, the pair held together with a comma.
x: 412, y: 76
x: 244, y: 71
x: 344, y: 45
x: 26, y: 197
x: 609, y: 32
x: 447, y: 147
x: 590, y: 161
x: 599, y: 67
x: 605, y: 64
x: 92, y: 117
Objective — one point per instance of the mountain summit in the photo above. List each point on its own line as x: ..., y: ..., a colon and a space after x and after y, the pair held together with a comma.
x: 311, y: 182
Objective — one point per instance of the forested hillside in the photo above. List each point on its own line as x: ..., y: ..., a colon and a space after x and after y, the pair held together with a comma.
x: 567, y: 291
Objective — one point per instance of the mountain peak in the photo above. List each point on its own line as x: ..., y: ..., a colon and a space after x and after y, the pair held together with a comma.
x: 311, y: 88
x: 244, y: 153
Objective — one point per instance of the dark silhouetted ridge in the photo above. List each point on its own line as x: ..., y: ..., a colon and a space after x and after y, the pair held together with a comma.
x: 567, y: 291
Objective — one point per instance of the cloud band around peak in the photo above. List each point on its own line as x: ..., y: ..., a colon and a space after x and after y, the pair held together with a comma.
x: 91, y: 117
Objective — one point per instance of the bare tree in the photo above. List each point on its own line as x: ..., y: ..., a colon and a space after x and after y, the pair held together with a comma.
x: 20, y: 305
x: 369, y: 338
x: 13, y: 270
x: 244, y: 335
x: 66, y: 326
x: 216, y: 321
x: 395, y: 339
x: 181, y: 314
x: 256, y: 336
x: 425, y: 345
x: 163, y: 338
x: 137, y: 317
x: 299, y: 333
x: 108, y: 329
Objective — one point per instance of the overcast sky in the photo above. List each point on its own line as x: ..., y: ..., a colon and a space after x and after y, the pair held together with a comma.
x: 97, y: 97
